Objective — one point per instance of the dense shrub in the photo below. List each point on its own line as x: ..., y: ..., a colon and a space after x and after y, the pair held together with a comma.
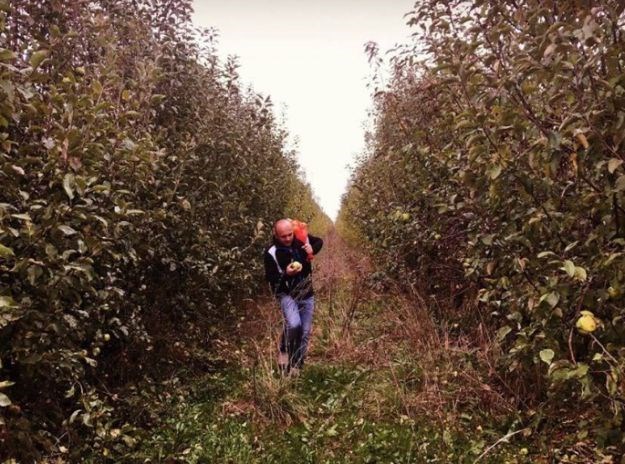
x: 137, y: 183
x: 496, y: 169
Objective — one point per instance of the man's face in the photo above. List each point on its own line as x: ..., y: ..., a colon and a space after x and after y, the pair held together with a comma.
x: 284, y: 233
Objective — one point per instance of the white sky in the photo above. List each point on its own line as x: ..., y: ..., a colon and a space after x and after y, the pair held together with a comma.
x: 309, y: 57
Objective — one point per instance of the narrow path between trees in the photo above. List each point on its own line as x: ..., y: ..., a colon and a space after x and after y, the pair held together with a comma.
x: 379, y: 386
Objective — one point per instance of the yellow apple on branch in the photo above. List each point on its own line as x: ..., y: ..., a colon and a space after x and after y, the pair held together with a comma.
x: 587, y: 323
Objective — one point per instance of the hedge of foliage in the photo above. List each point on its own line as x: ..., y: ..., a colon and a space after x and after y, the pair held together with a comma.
x: 138, y: 182
x: 495, y: 176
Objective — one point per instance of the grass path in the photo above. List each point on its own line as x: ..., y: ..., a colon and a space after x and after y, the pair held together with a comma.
x: 376, y: 388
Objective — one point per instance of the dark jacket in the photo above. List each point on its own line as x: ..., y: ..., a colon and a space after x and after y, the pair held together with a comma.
x: 278, y: 257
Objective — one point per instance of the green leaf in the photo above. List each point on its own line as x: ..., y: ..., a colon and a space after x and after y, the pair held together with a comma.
x: 551, y: 299
x: 613, y: 164
x: 547, y: 355
x: 544, y: 254
x: 580, y: 273
x: 502, y: 332
x: 67, y: 230
x: 7, y: 302
x: 6, y: 55
x: 51, y: 251
x: 86, y: 419
x: 332, y: 432
x: 494, y: 172
x: 68, y: 185
x: 611, y: 382
x: 5, y: 252
x: 129, y: 441
x: 37, y: 57
x: 23, y: 217
x: 4, y: 400
x: 569, y: 267
x: 579, y: 372
x: 69, y: 393
x: 128, y: 144
x: 74, y: 416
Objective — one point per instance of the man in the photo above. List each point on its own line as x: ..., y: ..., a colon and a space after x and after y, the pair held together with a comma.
x: 289, y: 274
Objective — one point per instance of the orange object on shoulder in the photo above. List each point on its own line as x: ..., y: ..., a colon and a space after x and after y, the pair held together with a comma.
x: 300, y: 230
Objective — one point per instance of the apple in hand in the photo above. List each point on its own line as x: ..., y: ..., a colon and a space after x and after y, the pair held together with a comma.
x: 294, y: 268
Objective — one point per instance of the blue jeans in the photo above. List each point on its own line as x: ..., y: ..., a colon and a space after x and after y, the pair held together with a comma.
x: 298, y: 316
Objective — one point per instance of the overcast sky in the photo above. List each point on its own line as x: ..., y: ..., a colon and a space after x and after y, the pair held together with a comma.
x: 309, y: 57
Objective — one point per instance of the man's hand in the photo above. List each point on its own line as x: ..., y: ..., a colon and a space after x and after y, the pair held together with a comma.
x: 293, y: 268
x: 308, y: 249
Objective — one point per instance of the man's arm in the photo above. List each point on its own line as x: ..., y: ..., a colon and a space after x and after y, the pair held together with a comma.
x: 316, y: 243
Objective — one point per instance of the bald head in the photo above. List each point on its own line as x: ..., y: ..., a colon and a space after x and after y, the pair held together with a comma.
x: 283, y: 232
